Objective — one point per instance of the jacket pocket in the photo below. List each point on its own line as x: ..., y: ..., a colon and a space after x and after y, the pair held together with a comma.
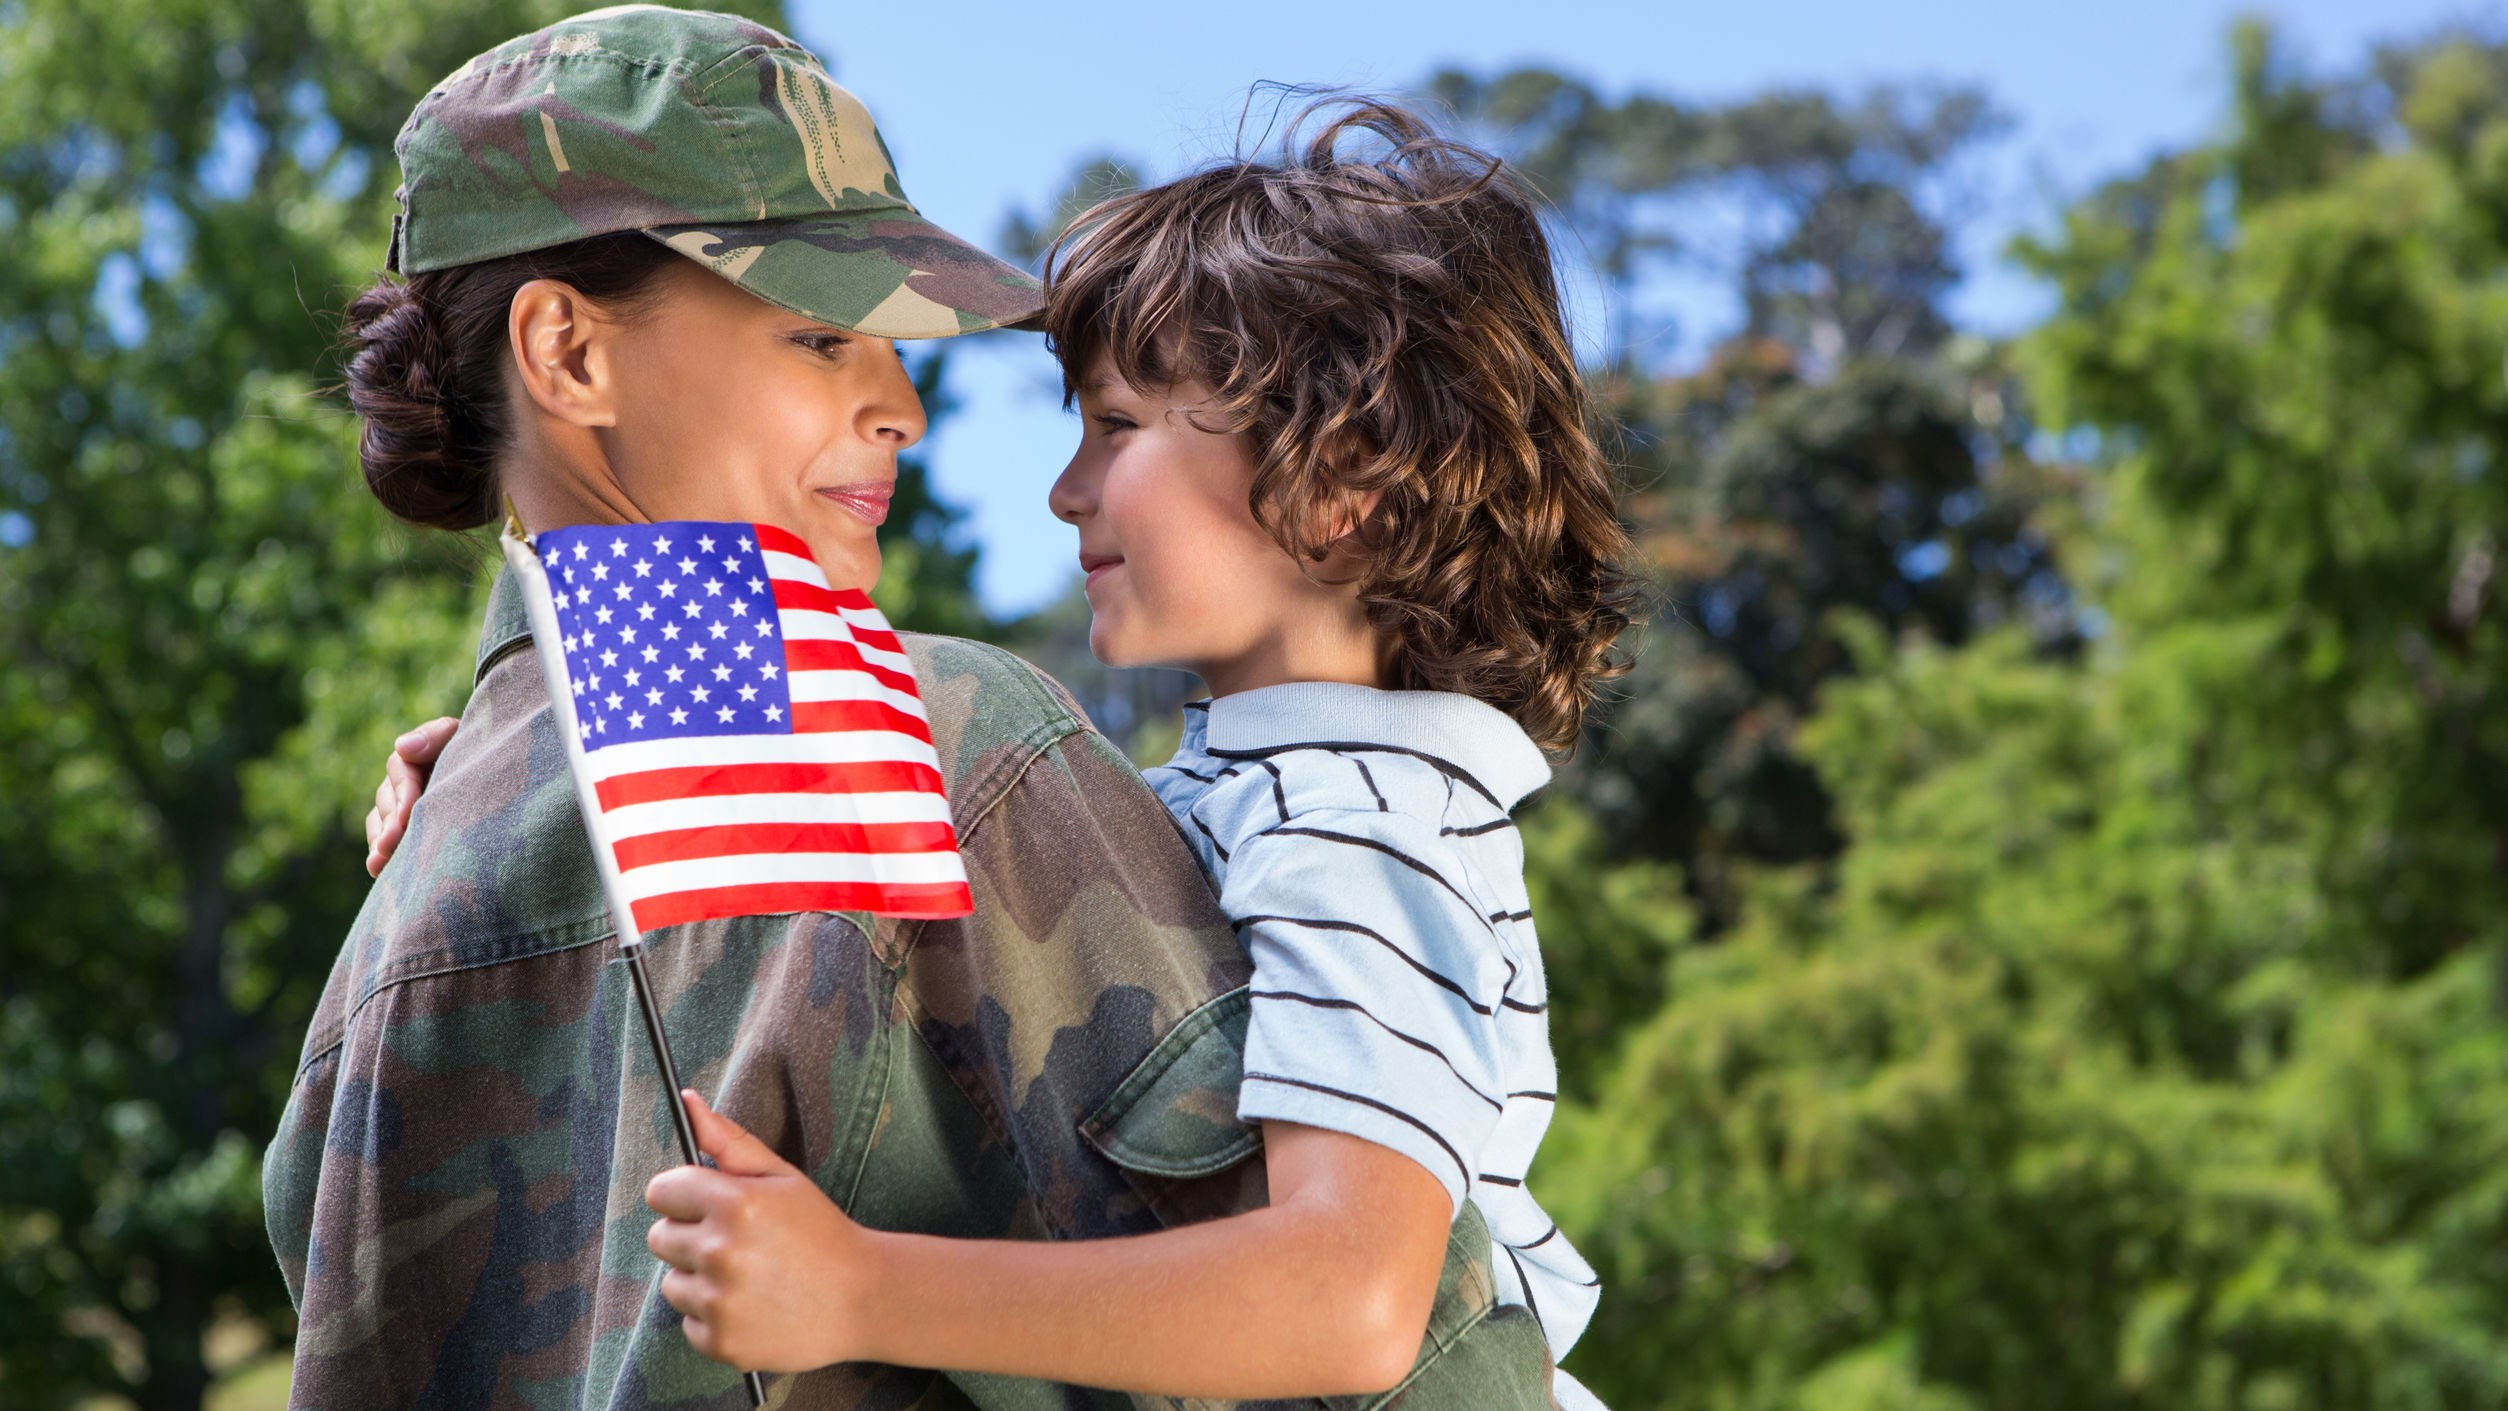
x: 1171, y: 1126
x: 1175, y: 1115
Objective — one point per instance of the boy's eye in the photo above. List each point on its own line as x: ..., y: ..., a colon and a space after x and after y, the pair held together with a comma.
x: 1112, y: 422
x: 826, y: 345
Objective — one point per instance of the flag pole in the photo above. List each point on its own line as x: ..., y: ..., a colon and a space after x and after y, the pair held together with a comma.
x: 525, y: 561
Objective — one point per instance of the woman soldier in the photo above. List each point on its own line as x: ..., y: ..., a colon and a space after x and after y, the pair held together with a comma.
x: 649, y: 265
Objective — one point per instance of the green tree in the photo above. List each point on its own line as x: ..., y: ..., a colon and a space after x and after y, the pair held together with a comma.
x: 209, y: 637
x: 2145, y: 1046
x: 1838, y: 450
x: 927, y: 559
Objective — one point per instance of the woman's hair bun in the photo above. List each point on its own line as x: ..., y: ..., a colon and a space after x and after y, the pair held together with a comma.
x: 426, y: 367
x: 420, y: 445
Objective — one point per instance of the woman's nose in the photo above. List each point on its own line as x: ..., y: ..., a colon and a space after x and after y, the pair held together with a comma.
x: 893, y: 415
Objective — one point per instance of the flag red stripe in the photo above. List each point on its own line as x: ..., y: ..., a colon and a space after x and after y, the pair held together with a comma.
x: 931, y: 901
x: 827, y: 654
x: 740, y: 839
x: 770, y: 537
x: 810, y: 597
x: 812, y: 716
x: 884, y: 776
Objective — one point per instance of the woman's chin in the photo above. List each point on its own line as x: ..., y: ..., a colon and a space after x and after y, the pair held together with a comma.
x: 849, y: 561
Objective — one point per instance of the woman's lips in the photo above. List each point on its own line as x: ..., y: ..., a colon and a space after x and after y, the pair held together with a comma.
x: 867, y: 500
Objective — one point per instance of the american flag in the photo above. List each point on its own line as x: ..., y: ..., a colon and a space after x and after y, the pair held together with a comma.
x: 750, y: 740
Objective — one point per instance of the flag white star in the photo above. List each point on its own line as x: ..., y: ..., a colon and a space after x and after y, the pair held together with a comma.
x: 623, y: 592
x: 740, y: 607
x: 705, y: 544
x: 774, y: 712
x: 608, y: 657
x: 725, y: 713
x: 652, y: 696
x: 644, y: 568
x: 742, y: 650
x: 731, y: 565
x: 644, y: 611
x: 765, y: 628
x: 635, y: 720
x: 661, y: 546
x: 722, y: 672
x: 634, y: 677
x: 768, y: 671
x: 627, y: 634
x: 615, y: 700
x: 673, y: 675
x: 745, y: 545
x: 577, y: 683
x: 651, y: 653
x: 717, y: 629
x: 714, y: 587
x: 669, y: 589
x: 701, y: 694
x: 748, y: 693
x: 696, y: 651
x: 600, y: 725
x: 602, y: 616
x: 618, y: 548
x: 679, y: 717
x: 693, y: 608
x: 583, y: 729
x: 601, y: 572
x: 670, y: 631
x: 756, y: 587
x: 687, y: 565
x: 583, y: 551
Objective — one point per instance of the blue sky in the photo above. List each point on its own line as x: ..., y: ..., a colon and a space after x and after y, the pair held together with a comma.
x: 992, y: 109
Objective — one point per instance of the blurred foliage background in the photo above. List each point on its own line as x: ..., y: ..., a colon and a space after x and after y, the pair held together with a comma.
x: 2030, y: 933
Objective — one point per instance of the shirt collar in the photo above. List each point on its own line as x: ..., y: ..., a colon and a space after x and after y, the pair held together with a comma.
x: 508, y: 625
x: 1478, y: 739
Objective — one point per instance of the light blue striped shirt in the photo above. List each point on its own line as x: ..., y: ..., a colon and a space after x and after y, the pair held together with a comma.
x: 1360, y: 842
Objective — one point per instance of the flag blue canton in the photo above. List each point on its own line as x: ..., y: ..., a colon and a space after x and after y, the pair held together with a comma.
x: 669, y: 631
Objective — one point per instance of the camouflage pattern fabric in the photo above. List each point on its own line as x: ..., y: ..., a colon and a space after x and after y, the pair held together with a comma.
x: 456, y: 1189
x: 713, y: 134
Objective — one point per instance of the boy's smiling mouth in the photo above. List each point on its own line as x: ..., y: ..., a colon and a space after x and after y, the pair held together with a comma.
x: 1093, y: 564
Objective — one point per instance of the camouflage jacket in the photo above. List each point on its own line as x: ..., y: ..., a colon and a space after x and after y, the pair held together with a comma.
x: 456, y: 1187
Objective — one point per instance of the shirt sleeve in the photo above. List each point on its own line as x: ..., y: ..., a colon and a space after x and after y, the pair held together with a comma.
x: 1377, y: 982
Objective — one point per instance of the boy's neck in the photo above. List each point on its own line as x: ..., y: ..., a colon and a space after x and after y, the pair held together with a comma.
x: 1351, y: 654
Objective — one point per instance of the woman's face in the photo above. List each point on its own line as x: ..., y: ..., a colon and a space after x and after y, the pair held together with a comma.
x: 728, y: 407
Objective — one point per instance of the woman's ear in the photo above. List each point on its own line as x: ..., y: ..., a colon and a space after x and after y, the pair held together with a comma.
x: 561, y: 350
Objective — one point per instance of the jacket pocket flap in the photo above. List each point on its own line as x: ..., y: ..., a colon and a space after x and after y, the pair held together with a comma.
x: 1176, y: 1114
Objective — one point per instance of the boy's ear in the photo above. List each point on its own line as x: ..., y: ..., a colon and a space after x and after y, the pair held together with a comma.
x: 1350, y: 521
x: 560, y: 342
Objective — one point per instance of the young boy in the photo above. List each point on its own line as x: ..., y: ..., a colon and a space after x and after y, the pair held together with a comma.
x: 1336, y: 462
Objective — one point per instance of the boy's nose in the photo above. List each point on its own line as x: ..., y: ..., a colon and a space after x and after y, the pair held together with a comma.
x: 1070, y: 498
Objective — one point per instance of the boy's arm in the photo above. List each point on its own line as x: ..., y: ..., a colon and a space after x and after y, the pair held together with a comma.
x: 1325, y: 1291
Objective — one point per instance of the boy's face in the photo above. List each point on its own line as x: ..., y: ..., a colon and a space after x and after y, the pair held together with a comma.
x: 1180, y: 573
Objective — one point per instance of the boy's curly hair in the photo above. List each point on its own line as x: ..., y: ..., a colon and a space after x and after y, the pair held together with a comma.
x: 1390, y: 326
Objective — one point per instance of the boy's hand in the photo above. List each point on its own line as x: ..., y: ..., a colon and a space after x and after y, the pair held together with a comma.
x: 762, y: 1262
x: 404, y: 779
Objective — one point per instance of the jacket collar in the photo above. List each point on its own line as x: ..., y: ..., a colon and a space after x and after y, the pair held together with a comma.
x: 508, y: 625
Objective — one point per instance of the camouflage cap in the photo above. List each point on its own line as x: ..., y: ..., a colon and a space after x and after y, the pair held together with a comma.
x: 713, y: 134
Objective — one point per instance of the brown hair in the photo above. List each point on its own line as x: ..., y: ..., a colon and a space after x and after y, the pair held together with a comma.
x: 426, y: 362
x: 1387, y: 326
